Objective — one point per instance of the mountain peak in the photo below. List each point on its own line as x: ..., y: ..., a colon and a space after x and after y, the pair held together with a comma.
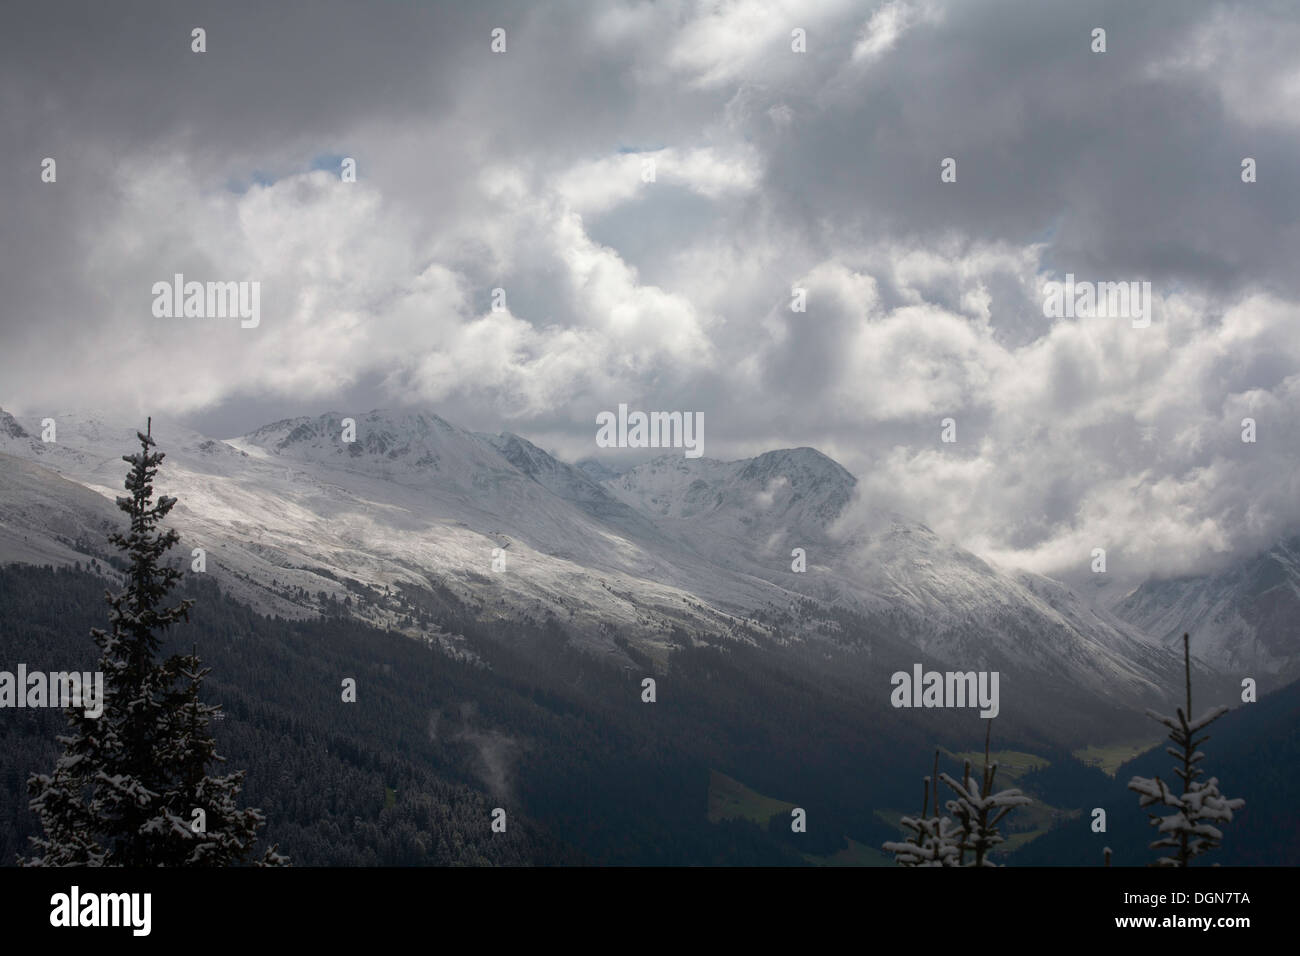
x: 379, y: 433
x: 790, y: 486
x: 802, y: 461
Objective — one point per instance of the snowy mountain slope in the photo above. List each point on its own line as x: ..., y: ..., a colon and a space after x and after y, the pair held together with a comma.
x: 597, y: 471
x: 414, y: 502
x: 291, y: 510
x: 797, y: 488
x: 575, y: 486
x: 554, y: 521
x: 750, y: 515
x: 1244, y: 619
x: 45, y: 519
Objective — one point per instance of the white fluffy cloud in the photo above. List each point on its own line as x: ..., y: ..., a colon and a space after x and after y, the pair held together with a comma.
x: 773, y: 170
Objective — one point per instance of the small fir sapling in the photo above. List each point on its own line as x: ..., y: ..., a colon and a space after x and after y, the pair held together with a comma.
x: 972, y: 827
x: 979, y: 810
x: 1190, y: 830
x: 934, y: 839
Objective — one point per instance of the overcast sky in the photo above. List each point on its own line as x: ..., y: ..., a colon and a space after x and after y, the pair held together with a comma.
x: 773, y: 169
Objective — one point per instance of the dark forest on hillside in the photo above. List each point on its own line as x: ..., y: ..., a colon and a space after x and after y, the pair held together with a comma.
x: 409, y: 774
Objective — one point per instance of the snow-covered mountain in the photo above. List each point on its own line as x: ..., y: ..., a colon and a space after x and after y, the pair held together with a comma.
x: 1244, y: 619
x: 417, y: 504
x: 290, y: 511
x: 751, y: 515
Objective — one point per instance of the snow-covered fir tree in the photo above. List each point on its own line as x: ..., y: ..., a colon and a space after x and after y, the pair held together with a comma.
x: 978, y: 809
x: 228, y: 829
x: 934, y: 840
x: 972, y: 827
x: 1190, y: 830
x: 126, y: 788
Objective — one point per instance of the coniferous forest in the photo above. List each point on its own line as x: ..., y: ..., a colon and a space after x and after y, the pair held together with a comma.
x: 410, y: 775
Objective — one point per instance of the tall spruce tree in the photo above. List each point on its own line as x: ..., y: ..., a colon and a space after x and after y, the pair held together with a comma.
x: 126, y: 788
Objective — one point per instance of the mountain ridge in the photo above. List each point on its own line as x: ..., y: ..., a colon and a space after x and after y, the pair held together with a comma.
x: 289, y: 512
